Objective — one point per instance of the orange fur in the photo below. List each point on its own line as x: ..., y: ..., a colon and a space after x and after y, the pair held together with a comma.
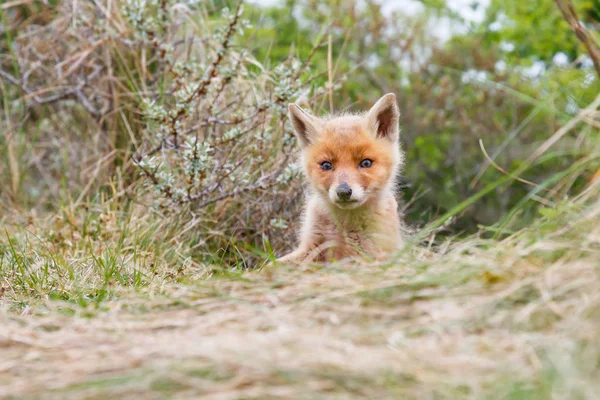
x: 351, y: 209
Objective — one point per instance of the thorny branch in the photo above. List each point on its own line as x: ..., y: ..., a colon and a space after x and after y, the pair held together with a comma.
x: 211, y: 73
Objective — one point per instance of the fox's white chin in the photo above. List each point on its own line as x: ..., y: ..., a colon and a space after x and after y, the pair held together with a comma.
x: 348, y: 205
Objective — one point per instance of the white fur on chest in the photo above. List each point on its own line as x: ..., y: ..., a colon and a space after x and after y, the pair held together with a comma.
x: 365, y: 230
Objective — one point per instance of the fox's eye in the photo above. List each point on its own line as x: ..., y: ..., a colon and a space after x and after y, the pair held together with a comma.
x: 326, y: 166
x: 366, y: 163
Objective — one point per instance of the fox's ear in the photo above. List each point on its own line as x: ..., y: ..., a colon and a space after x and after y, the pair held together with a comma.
x: 384, y: 118
x: 306, y: 126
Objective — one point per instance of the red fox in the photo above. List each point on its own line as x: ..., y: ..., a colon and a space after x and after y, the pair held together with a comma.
x: 351, y: 163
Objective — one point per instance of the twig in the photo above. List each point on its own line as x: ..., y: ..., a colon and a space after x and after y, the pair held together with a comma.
x: 313, y: 51
x: 75, y: 92
x: 505, y: 172
x: 584, y: 36
x: 330, y: 74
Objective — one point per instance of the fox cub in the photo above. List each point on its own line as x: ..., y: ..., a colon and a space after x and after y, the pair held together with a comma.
x: 351, y: 163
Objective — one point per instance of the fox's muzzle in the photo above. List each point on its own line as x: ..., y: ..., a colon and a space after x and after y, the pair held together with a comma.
x: 344, y: 192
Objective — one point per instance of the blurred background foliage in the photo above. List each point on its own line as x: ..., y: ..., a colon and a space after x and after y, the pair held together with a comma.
x: 506, y: 73
x: 509, y: 76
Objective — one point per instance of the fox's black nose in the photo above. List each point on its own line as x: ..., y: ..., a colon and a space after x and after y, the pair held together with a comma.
x: 344, y: 192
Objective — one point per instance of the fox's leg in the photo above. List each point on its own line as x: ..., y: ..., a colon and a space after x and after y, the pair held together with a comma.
x: 315, y: 251
x: 311, y: 239
x: 298, y: 256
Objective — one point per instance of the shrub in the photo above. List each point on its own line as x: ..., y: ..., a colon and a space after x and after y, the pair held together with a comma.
x: 216, y: 127
x: 213, y: 142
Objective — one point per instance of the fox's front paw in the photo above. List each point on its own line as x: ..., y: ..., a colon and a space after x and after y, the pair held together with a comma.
x: 289, y: 259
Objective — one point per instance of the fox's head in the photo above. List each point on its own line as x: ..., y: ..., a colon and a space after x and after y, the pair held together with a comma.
x: 350, y: 159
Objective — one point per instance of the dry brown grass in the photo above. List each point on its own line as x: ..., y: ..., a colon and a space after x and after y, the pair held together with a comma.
x: 102, y: 294
x: 516, y: 318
